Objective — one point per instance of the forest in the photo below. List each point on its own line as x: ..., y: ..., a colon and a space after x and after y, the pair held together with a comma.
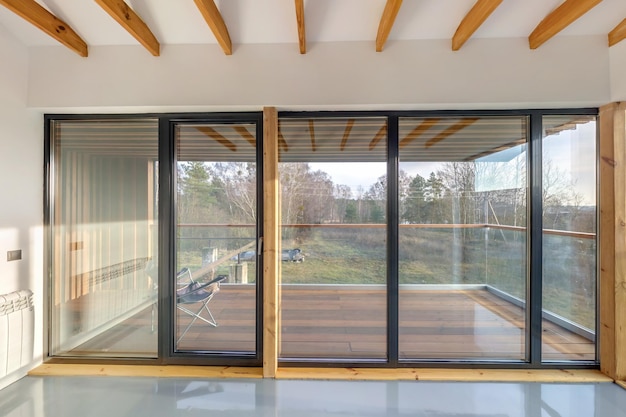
x: 225, y: 193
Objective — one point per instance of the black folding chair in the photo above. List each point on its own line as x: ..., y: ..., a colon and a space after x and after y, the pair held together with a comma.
x: 193, y: 293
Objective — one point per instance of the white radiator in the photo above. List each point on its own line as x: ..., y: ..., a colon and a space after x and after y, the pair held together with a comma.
x: 16, y: 331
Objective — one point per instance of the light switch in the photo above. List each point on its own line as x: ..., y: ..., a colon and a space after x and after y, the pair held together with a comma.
x: 14, y: 255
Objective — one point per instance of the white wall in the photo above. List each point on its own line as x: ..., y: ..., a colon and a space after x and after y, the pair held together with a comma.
x: 618, y: 71
x: 485, y: 73
x: 21, y: 173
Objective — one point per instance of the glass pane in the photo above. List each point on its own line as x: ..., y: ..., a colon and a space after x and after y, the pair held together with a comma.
x: 216, y: 238
x: 334, y: 200
x: 569, y: 237
x: 462, y: 238
x: 104, y: 238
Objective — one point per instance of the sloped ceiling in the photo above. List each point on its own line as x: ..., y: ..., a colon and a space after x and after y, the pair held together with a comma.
x: 382, y: 22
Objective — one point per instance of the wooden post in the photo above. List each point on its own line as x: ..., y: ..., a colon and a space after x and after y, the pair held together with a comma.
x: 607, y: 241
x: 619, y: 147
x: 612, y: 244
x: 271, y: 242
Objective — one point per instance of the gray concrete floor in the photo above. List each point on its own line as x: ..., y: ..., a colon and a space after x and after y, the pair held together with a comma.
x: 160, y: 397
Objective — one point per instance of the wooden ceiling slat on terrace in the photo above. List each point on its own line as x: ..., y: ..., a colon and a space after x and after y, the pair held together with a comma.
x: 313, y: 139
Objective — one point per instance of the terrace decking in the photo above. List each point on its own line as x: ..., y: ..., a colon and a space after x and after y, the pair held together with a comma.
x: 349, y: 322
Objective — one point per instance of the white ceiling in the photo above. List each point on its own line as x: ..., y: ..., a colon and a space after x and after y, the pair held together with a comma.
x: 274, y: 21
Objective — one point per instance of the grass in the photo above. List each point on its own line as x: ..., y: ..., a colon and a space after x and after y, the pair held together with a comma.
x: 335, y: 271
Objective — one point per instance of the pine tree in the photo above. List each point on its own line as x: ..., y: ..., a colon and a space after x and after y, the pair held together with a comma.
x: 416, y: 208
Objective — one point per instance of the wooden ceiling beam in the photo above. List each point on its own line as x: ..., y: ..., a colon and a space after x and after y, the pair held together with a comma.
x: 300, y: 21
x: 559, y: 19
x: 346, y: 134
x: 451, y: 130
x: 618, y: 33
x: 214, y: 134
x: 129, y: 20
x: 215, y: 21
x: 419, y: 130
x: 35, y: 14
x: 473, y: 20
x: 386, y: 22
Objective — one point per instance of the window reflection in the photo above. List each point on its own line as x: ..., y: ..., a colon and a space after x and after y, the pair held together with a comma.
x: 462, y: 237
x: 104, y: 238
x: 569, y: 236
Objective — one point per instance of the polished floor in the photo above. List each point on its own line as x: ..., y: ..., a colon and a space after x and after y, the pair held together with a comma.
x: 159, y: 397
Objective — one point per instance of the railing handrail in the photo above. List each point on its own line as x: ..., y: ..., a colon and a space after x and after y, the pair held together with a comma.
x: 214, y: 225
x: 581, y: 235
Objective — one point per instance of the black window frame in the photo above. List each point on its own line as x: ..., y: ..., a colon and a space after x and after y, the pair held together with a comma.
x: 534, y: 282
x: 166, y: 217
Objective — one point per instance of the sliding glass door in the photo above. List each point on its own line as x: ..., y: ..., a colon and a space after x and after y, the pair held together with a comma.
x: 438, y: 237
x: 463, y: 238
x: 333, y: 175
x: 103, y: 238
x: 215, y: 287
x: 132, y: 198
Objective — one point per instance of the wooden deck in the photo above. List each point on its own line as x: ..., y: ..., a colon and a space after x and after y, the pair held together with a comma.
x: 350, y: 323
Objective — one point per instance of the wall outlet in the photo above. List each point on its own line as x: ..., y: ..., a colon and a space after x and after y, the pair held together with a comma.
x: 14, y: 255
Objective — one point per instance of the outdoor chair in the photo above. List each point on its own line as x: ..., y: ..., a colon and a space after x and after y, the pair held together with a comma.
x: 193, y: 297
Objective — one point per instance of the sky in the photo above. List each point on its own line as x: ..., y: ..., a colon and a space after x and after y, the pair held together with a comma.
x: 355, y: 174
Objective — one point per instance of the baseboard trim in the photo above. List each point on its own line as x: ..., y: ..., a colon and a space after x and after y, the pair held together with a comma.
x: 429, y: 374
x: 171, y: 371
x: 403, y: 374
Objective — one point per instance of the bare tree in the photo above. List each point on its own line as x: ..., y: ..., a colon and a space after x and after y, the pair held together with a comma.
x: 238, y: 180
x: 502, y: 188
x: 342, y: 197
x: 560, y: 199
x: 293, y: 184
x: 319, y: 197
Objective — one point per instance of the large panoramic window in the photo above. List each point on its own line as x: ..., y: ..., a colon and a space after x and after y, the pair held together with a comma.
x: 569, y: 237
x: 462, y: 237
x: 406, y: 238
x: 103, y: 238
x: 334, y: 249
